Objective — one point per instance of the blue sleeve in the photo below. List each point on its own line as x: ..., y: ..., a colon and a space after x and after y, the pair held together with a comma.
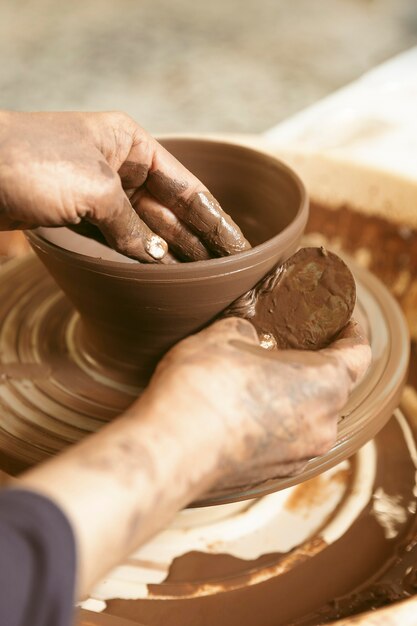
x: 37, y: 561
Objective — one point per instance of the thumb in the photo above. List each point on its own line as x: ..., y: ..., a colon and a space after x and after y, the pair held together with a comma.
x: 229, y: 330
x: 351, y: 349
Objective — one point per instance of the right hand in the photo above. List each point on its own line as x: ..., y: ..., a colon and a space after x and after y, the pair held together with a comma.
x: 274, y: 410
x: 64, y: 168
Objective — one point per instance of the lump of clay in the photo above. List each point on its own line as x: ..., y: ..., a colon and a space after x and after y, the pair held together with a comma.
x: 302, y: 304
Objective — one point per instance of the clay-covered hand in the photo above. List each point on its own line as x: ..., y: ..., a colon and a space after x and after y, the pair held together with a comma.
x: 275, y: 409
x: 65, y: 168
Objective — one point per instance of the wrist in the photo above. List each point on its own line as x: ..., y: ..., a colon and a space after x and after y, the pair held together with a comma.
x: 183, y: 433
x: 149, y: 463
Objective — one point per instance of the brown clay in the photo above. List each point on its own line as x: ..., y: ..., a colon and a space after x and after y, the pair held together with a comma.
x: 42, y: 414
x: 133, y: 174
x: 303, y: 303
x: 130, y: 313
x: 133, y: 313
x: 53, y: 393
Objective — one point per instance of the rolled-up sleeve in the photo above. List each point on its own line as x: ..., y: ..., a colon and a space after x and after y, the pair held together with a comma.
x: 37, y: 561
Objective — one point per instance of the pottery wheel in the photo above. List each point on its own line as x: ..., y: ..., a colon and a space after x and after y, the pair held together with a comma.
x: 339, y: 544
x: 53, y: 394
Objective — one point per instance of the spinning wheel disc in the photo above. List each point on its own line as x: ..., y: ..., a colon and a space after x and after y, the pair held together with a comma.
x: 53, y: 393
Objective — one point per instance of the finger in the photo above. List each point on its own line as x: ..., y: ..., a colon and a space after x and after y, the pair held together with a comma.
x: 185, y: 245
x: 129, y: 235
x: 353, y: 332
x: 147, y: 162
x: 223, y: 333
x: 176, y: 188
x: 133, y: 174
x: 87, y: 229
x: 351, y: 350
x: 230, y: 330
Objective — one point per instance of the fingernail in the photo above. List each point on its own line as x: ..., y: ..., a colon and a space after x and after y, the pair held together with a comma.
x: 156, y: 247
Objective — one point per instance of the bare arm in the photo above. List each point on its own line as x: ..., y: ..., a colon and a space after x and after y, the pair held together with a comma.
x: 217, y: 409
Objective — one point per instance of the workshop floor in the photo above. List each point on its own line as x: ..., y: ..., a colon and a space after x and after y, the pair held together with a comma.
x: 184, y: 65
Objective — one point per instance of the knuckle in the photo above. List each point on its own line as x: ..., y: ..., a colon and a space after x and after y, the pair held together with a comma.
x: 232, y: 328
x: 120, y: 118
x: 107, y: 188
x: 242, y: 327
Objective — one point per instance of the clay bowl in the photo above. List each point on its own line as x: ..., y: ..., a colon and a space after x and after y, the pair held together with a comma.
x: 132, y: 313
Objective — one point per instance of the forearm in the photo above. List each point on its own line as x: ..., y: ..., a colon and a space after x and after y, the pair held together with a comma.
x: 120, y: 486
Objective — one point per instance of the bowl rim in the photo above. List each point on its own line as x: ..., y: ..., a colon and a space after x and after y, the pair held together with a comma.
x: 222, y: 264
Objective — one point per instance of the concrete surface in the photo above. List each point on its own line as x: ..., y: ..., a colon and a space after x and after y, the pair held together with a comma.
x: 185, y: 65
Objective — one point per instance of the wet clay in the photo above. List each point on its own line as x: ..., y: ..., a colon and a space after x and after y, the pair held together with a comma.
x: 302, y: 304
x: 76, y: 400
x: 207, y: 217
x: 132, y: 313
x: 167, y: 190
x: 54, y: 393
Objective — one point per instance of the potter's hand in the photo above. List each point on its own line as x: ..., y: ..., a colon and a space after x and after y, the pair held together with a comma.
x: 62, y: 168
x: 219, y: 411
x: 275, y: 409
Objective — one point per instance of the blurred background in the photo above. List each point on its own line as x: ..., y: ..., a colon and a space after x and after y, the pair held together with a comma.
x: 185, y: 65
